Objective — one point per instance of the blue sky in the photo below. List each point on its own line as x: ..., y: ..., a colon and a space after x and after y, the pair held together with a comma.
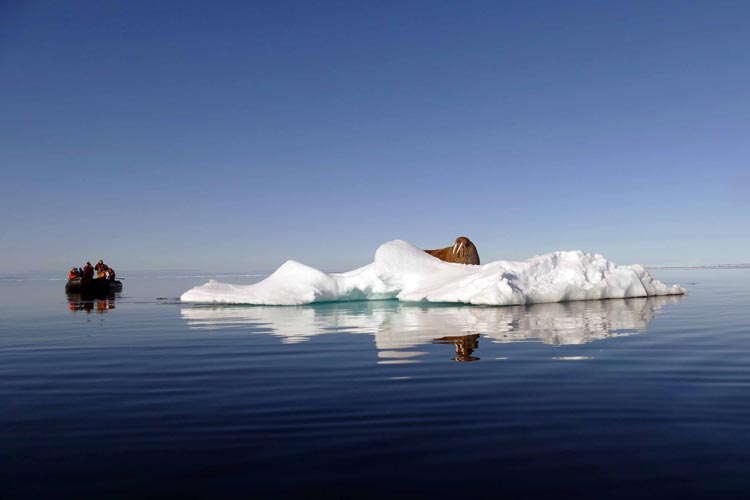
x: 235, y: 135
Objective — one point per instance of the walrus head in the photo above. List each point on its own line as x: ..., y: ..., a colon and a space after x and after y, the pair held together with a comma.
x: 463, y: 251
x: 459, y: 247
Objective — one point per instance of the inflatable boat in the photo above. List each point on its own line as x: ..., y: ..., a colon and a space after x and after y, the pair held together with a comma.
x: 100, y: 286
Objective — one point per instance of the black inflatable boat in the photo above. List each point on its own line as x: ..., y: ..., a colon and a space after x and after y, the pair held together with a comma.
x: 100, y: 286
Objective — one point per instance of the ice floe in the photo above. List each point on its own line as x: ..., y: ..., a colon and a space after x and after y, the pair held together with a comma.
x: 405, y: 272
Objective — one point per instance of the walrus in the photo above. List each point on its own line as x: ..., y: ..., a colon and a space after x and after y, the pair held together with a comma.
x: 463, y: 251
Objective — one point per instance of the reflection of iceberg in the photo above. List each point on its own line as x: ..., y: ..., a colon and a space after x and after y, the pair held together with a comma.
x: 396, y: 326
x: 582, y: 321
x: 405, y: 272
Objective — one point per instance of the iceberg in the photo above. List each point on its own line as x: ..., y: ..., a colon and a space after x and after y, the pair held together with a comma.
x: 404, y: 272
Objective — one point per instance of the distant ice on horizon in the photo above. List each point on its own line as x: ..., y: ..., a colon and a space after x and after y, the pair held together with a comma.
x: 403, y: 271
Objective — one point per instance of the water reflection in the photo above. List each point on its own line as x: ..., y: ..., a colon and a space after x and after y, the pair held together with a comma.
x: 88, y: 304
x: 398, y: 327
x: 465, y: 345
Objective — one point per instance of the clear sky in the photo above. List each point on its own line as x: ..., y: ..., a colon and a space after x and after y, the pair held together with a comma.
x: 230, y: 136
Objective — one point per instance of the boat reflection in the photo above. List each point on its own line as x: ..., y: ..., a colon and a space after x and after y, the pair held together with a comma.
x: 397, y: 327
x: 88, y: 304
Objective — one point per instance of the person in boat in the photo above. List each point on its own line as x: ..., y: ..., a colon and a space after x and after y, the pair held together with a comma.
x: 88, y: 271
x: 80, y: 272
x: 73, y: 274
x: 99, y: 267
x: 101, y: 273
x: 111, y: 273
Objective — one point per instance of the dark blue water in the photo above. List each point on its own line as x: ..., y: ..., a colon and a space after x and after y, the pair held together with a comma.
x: 141, y: 396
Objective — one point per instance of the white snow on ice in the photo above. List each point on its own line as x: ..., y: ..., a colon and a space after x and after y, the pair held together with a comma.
x: 407, y: 273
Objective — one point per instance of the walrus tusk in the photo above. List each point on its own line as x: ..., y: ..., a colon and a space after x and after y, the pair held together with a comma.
x: 454, y: 248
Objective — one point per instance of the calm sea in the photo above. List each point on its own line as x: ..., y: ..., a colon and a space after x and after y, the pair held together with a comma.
x: 141, y: 396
